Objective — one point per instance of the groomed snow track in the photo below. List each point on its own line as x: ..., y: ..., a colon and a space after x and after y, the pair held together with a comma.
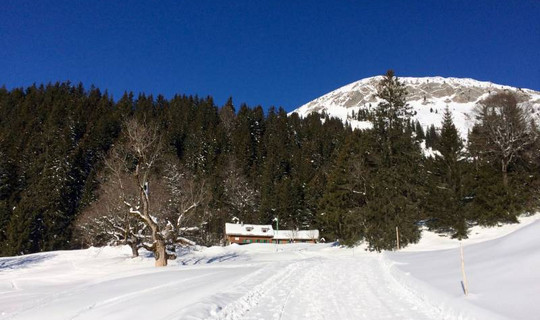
x: 339, y: 288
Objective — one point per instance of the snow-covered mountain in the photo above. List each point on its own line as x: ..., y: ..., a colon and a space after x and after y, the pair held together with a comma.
x: 428, y: 96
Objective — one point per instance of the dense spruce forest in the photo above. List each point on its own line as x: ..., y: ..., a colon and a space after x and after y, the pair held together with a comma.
x: 78, y: 168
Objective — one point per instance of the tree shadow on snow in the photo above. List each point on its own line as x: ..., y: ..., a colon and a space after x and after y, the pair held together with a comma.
x: 146, y: 254
x: 201, y: 260
x: 23, y: 262
x: 222, y: 258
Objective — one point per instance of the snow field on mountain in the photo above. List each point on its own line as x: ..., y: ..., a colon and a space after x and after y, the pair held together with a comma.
x: 298, y: 281
x: 427, y: 102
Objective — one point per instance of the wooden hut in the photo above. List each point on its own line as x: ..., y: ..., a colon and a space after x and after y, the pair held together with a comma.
x: 296, y: 236
x: 254, y: 233
x: 248, y: 233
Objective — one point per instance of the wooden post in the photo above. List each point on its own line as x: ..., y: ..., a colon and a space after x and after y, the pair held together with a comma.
x: 397, y: 237
x: 464, y: 282
x: 276, y: 219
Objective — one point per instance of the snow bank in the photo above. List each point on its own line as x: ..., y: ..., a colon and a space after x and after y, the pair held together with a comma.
x: 503, y: 274
x: 433, y: 241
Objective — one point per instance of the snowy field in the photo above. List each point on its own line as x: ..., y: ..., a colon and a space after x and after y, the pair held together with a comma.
x: 299, y: 281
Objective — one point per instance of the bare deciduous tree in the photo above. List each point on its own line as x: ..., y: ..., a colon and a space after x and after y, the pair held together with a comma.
x: 189, y: 200
x: 143, y: 149
x: 107, y: 222
x: 161, y: 197
x: 504, y: 130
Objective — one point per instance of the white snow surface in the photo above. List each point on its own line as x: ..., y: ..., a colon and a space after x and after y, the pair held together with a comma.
x: 292, y: 281
x: 428, y: 97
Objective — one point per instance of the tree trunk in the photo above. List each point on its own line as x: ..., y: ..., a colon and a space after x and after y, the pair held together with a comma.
x: 505, y: 173
x: 160, y: 253
x: 134, y: 249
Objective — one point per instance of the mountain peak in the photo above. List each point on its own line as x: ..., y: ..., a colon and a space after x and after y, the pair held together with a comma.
x: 428, y: 96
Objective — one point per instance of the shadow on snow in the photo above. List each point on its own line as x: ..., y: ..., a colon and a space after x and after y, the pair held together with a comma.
x: 201, y: 260
x: 23, y: 262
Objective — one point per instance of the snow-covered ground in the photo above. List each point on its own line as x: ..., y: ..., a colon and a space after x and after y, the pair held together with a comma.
x: 297, y: 281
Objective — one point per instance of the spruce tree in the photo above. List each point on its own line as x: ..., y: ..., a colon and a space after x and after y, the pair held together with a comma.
x: 432, y: 137
x: 392, y: 114
x: 446, y: 202
x: 392, y: 199
x: 345, y: 192
x: 420, y: 135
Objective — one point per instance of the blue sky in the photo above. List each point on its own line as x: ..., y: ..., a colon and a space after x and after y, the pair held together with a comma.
x: 281, y: 53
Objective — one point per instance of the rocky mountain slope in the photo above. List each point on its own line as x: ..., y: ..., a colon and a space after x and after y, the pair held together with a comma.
x: 428, y: 96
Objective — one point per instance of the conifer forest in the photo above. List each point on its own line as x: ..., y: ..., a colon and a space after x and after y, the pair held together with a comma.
x: 79, y: 168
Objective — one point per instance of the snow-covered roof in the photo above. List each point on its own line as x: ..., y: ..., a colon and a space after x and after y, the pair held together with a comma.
x: 296, y: 234
x: 264, y: 230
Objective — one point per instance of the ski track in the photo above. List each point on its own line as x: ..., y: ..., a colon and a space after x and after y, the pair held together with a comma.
x: 252, y: 298
x: 320, y: 288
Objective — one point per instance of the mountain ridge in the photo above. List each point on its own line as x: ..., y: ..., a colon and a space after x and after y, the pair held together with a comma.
x: 428, y: 96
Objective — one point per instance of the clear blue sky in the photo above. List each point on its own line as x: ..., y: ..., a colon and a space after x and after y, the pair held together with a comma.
x: 282, y: 53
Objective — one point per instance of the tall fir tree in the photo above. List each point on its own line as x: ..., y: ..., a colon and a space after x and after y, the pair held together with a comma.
x: 393, y: 198
x: 345, y: 192
x: 446, y: 204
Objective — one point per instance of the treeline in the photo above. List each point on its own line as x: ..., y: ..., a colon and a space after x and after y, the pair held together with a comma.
x: 68, y: 156
x: 54, y: 141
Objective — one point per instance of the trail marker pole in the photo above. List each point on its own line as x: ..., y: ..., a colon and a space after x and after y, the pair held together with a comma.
x: 397, y: 237
x: 276, y: 219
x: 464, y: 282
